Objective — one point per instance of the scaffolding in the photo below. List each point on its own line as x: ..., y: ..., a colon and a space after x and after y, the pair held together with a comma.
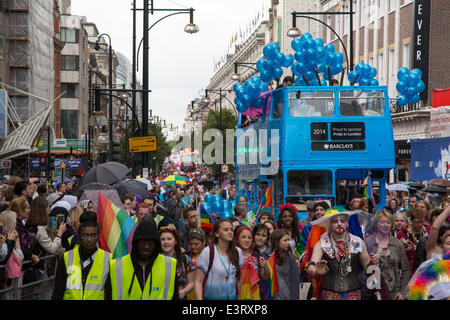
x: 31, y: 54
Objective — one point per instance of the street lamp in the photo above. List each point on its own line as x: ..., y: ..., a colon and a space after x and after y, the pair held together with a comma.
x: 295, y: 32
x: 236, y: 76
x: 110, y: 109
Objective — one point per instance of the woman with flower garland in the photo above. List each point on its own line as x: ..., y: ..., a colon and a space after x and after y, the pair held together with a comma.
x: 337, y: 256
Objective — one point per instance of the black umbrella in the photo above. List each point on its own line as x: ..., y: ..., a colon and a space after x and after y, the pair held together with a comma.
x: 107, y: 173
x: 416, y: 185
x: 440, y: 182
x: 435, y: 189
x: 92, y: 186
x: 131, y: 186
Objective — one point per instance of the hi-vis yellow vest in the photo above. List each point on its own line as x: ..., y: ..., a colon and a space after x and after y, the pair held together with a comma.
x: 157, y: 219
x: 162, y: 276
x: 96, y: 279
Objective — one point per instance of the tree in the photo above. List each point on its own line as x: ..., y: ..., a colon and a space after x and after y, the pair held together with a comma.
x: 228, y: 121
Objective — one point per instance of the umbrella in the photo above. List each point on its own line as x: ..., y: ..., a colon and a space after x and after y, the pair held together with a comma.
x: 444, y: 183
x: 107, y: 173
x: 131, y: 186
x: 92, y: 195
x: 147, y: 182
x: 175, y: 179
x: 435, y: 189
x: 397, y: 187
x: 416, y: 185
x: 92, y: 186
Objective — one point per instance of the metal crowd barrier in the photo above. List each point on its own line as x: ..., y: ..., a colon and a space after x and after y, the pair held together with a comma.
x: 37, y: 290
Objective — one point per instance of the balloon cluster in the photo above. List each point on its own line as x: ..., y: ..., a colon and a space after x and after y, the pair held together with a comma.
x: 313, y: 58
x: 215, y: 204
x: 363, y: 74
x: 410, y: 84
x: 248, y: 94
x: 271, y: 67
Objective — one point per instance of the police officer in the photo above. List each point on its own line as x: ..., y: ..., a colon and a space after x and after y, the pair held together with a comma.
x: 82, y: 272
x: 143, y: 274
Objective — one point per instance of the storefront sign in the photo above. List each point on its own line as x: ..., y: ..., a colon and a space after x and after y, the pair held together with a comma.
x: 402, y: 150
x: 74, y: 164
x: 347, y: 131
x: 421, y: 40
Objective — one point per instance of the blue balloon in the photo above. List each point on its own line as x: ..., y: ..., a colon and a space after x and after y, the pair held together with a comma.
x: 339, y: 58
x: 319, y: 42
x: 410, y: 80
x: 322, y: 67
x: 300, y: 67
x: 241, y: 108
x: 279, y: 58
x: 359, y: 67
x: 364, y: 81
x: 324, y: 83
x: 309, y: 75
x: 373, y: 73
x: 420, y: 86
x: 306, y: 36
x: 351, y: 76
x: 329, y: 48
x: 266, y: 76
x: 300, y: 56
x: 309, y: 44
x: 401, y: 86
x: 402, y: 100
x: 414, y: 99
x: 269, y: 51
x: 256, y: 80
x: 417, y: 73
x: 321, y: 52
x: 365, y: 71
x: 278, y: 72
x: 288, y: 61
x: 402, y: 73
x: 411, y: 91
x: 374, y: 82
x: 275, y: 46
x: 260, y: 65
x: 296, y: 44
x: 236, y: 86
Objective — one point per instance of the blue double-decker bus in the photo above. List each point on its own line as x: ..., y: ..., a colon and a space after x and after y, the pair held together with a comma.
x: 321, y: 143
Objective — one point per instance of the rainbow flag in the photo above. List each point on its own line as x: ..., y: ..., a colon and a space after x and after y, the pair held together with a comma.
x: 115, y: 227
x: 250, y: 279
x: 272, y: 284
x: 206, y: 220
x: 266, y: 203
x: 368, y: 189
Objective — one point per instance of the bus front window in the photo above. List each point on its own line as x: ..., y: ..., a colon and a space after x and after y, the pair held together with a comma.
x: 311, y: 103
x: 361, y: 103
x: 306, y: 182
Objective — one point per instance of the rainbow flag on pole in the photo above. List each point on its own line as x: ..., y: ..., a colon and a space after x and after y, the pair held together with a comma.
x: 272, y: 284
x: 250, y: 279
x: 368, y: 188
x: 115, y: 227
x: 206, y: 220
x: 266, y: 203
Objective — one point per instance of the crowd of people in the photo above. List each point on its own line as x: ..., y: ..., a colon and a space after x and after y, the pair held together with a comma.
x: 328, y: 255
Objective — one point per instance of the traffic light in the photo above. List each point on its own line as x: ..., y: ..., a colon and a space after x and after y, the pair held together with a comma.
x: 51, y: 163
x: 43, y: 163
x: 116, y: 151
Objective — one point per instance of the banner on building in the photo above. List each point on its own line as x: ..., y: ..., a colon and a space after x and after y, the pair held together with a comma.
x: 430, y: 159
x: 440, y: 122
x: 74, y: 164
x: 441, y: 98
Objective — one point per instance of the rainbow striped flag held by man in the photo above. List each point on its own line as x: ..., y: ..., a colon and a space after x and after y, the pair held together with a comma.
x: 271, y: 285
x: 250, y: 279
x: 368, y: 188
x: 115, y: 227
x: 266, y: 203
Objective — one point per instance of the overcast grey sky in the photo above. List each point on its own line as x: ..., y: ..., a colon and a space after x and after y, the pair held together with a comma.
x: 181, y: 64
